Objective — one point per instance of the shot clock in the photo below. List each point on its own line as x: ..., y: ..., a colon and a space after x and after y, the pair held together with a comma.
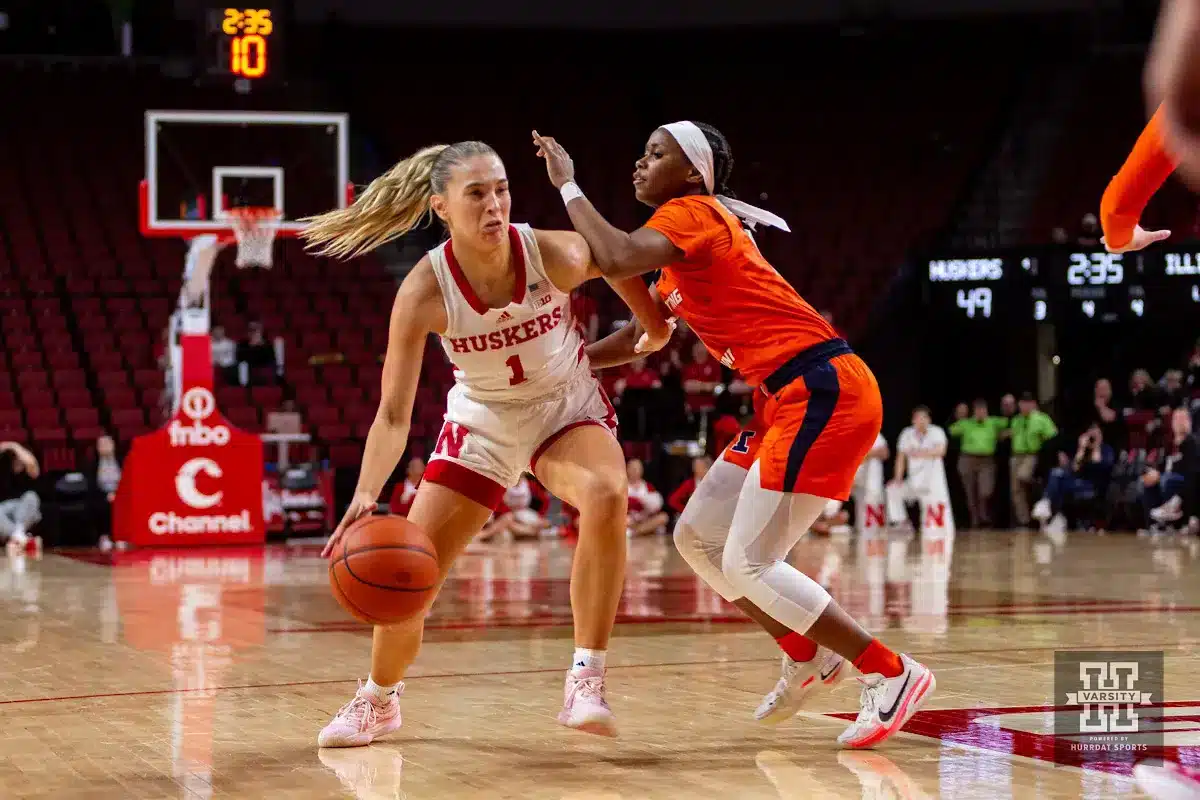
x: 242, y: 42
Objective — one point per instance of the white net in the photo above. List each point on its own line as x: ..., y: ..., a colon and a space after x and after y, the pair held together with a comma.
x: 255, y: 229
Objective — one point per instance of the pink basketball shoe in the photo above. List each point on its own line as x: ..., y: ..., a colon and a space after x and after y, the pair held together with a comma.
x: 363, y: 720
x: 584, y: 706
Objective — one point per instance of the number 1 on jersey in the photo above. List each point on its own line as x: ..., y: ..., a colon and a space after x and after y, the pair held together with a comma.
x: 518, y: 371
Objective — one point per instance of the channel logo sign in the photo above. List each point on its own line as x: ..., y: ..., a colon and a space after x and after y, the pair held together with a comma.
x: 197, y: 480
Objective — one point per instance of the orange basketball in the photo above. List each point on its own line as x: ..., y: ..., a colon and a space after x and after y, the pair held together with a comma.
x: 384, y: 569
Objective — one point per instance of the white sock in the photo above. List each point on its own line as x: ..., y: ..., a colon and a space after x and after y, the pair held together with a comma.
x: 588, y: 659
x: 382, y: 693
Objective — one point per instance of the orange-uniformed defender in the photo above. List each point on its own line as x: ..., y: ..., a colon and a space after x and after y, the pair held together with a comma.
x: 820, y: 413
x: 823, y: 409
x: 1144, y: 171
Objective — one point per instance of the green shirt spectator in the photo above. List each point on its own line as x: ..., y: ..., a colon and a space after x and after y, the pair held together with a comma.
x: 979, y: 436
x: 1031, y: 430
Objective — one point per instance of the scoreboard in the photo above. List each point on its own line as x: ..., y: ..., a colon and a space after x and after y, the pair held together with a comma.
x: 1065, y: 284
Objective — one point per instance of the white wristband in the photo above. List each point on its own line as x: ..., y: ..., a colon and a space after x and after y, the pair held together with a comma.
x: 569, y: 191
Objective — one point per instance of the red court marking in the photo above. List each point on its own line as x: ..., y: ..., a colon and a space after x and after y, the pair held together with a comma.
x: 434, y: 676
x: 956, y: 725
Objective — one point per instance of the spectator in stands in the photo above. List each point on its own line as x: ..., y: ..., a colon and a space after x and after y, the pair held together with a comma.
x: 1008, y: 406
x: 20, y: 506
x: 1173, y: 393
x: 1089, y: 231
x: 285, y: 420
x: 406, y: 491
x: 1078, y: 480
x: 725, y: 429
x: 1093, y: 466
x: 586, y: 312
x: 256, y: 357
x: 645, y: 503
x: 224, y: 356
x: 515, y: 516
x: 1169, y: 492
x: 637, y: 376
x: 1193, y: 367
x: 108, y: 469
x: 636, y: 393
x: 105, y: 480
x: 1143, y: 396
x: 1059, y: 235
x: 979, y: 435
x: 685, y: 490
x: 1030, y: 430
x: 919, y: 471
x: 701, y: 380
x: 1102, y: 412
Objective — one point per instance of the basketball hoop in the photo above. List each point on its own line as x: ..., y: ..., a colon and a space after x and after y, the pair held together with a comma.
x: 254, y: 227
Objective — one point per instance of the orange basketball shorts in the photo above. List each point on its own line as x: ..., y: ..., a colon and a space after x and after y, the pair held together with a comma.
x: 811, y: 435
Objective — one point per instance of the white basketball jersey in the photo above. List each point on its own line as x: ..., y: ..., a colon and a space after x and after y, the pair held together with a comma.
x: 527, y: 349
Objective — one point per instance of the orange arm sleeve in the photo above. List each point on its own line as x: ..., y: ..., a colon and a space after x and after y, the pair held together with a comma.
x: 1146, y: 169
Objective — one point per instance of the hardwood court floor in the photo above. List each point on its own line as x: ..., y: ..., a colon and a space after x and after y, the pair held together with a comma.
x: 209, y: 673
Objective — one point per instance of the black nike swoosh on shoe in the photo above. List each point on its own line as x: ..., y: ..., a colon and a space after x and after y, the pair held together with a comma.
x: 886, y: 716
x: 827, y: 675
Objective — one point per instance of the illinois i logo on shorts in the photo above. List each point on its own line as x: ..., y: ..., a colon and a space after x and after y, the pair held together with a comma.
x: 742, y: 443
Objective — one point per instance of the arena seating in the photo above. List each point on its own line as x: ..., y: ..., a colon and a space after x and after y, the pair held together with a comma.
x: 84, y: 299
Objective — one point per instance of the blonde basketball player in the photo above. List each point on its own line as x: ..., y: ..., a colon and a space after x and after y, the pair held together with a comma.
x: 524, y: 399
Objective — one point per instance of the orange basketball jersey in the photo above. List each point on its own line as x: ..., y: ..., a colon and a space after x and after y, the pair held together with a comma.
x: 747, y: 315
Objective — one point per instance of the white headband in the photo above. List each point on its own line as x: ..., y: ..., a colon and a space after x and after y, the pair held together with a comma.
x: 695, y: 146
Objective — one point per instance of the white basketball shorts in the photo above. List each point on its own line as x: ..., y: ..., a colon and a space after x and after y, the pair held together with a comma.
x: 484, y: 448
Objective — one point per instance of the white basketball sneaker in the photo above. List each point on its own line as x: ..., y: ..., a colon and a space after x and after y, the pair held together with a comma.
x: 1168, y: 781
x: 797, y: 682
x: 363, y: 720
x: 888, y: 703
x: 584, y: 706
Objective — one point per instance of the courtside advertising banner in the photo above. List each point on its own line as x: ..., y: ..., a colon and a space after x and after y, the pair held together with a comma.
x: 197, y: 481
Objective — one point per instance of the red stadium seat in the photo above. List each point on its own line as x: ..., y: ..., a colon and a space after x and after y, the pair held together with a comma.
x: 127, y: 417
x: 323, y: 415
x: 333, y: 433
x: 43, y: 417
x: 55, y: 456
x: 49, y: 436
x: 82, y: 417
x: 266, y: 396
x: 74, y: 398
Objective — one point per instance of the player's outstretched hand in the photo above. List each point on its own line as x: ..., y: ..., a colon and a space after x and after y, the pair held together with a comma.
x: 559, y: 165
x: 652, y: 344
x: 1142, y: 238
x: 360, y: 506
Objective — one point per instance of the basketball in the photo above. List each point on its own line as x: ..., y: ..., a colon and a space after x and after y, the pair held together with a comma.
x: 384, y: 570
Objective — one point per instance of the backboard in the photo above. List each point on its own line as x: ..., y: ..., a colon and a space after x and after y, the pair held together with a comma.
x: 200, y: 164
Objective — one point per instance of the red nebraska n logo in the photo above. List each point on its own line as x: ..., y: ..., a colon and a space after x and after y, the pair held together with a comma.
x: 450, y: 440
x: 935, y: 515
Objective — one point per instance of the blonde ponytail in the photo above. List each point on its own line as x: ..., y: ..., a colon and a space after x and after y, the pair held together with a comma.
x: 391, y: 205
